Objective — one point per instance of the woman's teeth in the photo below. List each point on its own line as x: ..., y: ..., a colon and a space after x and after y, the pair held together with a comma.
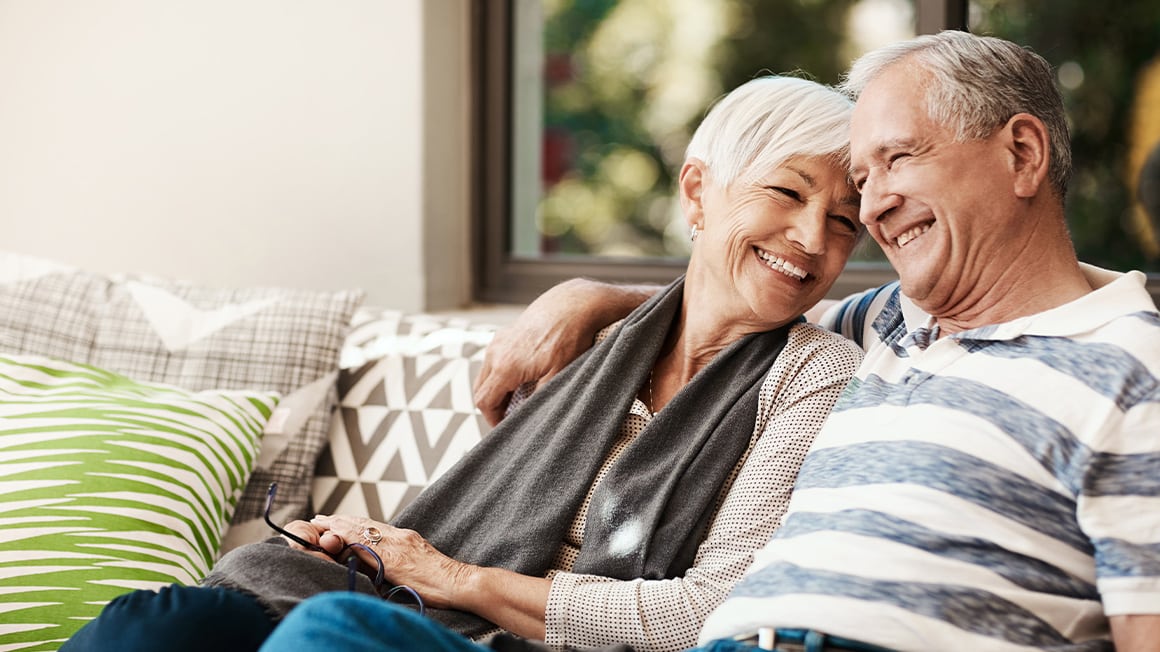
x: 781, y: 265
x: 912, y: 234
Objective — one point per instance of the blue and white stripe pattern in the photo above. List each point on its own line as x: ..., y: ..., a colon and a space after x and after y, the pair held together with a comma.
x: 997, y: 489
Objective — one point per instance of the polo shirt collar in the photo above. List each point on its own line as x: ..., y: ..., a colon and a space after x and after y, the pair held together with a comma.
x: 1114, y: 294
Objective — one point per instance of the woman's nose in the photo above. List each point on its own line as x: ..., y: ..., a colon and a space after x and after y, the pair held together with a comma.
x: 809, y: 232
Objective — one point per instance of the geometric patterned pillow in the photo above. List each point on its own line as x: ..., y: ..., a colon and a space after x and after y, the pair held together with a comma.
x: 405, y: 414
x: 158, y: 330
x: 110, y: 485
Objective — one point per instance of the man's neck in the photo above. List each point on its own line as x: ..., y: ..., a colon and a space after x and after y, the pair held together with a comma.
x: 1021, y: 289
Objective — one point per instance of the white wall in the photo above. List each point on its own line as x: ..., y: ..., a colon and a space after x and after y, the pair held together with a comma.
x: 310, y: 143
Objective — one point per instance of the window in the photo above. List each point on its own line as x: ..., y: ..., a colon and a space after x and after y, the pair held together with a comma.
x: 1107, y: 65
x: 586, y: 107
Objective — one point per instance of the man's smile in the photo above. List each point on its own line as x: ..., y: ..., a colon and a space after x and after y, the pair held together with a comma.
x: 910, y: 234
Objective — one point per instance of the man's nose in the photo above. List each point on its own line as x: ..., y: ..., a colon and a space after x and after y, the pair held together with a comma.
x: 877, y: 199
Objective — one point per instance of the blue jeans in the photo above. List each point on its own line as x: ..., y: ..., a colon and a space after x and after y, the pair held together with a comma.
x: 176, y: 618
x: 353, y: 622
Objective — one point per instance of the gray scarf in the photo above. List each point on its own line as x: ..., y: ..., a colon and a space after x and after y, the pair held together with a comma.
x: 512, y: 498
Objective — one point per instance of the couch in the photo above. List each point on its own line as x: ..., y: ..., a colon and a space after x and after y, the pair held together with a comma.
x: 143, y: 421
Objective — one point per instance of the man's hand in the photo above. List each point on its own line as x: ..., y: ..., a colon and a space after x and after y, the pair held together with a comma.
x: 553, y: 331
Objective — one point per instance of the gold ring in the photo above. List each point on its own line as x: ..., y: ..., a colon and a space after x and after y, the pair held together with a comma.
x: 371, y: 535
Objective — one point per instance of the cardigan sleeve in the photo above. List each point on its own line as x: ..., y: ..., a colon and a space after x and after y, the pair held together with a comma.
x: 795, y: 398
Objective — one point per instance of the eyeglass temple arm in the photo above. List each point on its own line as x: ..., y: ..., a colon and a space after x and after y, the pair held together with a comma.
x: 289, y: 535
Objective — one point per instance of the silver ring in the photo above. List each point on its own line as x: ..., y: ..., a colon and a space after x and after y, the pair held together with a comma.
x: 371, y: 535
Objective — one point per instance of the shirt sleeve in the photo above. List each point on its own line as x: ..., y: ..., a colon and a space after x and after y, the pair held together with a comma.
x: 1119, y: 509
x: 796, y: 396
x: 853, y: 317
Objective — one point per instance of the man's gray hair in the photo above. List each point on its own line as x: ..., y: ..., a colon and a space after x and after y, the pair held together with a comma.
x: 768, y: 120
x: 977, y: 84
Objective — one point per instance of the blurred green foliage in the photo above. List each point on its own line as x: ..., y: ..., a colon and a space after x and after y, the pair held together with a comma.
x: 1098, y: 49
x: 626, y: 82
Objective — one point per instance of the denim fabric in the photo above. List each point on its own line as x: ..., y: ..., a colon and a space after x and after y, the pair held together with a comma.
x: 353, y: 622
x: 725, y: 645
x: 814, y: 641
x: 176, y: 619
x: 358, y: 623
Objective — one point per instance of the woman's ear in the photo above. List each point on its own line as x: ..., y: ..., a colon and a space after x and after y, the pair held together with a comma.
x: 1030, y: 148
x: 690, y: 187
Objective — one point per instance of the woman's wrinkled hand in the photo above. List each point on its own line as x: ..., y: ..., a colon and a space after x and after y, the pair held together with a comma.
x: 407, y: 557
x: 319, y: 536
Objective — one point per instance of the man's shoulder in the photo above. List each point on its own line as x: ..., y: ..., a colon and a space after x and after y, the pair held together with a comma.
x: 871, y: 316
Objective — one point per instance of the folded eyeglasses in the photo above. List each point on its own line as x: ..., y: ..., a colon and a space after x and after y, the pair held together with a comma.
x: 346, y: 555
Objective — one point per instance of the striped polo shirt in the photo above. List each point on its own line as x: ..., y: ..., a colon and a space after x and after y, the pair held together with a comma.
x: 996, y: 489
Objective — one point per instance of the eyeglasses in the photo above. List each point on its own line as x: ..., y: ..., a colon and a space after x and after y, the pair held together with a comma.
x: 345, y: 555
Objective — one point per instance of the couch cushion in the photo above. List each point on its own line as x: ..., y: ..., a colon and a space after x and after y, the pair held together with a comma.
x: 405, y: 410
x: 198, y: 338
x: 110, y: 485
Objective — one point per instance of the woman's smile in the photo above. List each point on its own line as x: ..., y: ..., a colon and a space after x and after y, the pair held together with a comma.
x: 779, y: 264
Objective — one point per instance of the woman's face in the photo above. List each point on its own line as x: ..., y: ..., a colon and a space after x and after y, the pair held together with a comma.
x: 772, y: 246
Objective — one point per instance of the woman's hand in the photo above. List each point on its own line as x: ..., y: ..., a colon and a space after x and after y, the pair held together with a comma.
x: 319, y: 536
x: 514, y: 602
x: 407, y: 558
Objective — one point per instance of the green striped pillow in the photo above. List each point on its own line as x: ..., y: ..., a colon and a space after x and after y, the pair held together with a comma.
x: 109, y: 485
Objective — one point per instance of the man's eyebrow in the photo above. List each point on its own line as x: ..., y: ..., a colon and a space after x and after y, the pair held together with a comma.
x: 881, y: 150
x: 893, y: 144
x: 853, y: 201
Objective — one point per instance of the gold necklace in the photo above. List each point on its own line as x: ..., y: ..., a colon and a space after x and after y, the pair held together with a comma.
x: 650, y: 394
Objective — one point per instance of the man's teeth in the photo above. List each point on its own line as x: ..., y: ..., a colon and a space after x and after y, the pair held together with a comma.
x: 781, y: 265
x: 912, y: 234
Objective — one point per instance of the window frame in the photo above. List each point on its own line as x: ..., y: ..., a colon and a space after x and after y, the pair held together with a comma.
x: 500, y: 277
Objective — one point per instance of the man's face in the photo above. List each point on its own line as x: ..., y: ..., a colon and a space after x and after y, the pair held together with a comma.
x: 939, y: 209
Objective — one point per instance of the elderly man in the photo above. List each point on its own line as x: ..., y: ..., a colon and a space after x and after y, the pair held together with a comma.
x: 989, y: 480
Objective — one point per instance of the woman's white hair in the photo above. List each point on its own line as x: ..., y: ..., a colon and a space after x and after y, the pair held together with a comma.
x: 976, y: 84
x: 768, y: 120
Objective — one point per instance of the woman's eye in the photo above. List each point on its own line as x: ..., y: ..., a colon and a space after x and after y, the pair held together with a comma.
x: 792, y: 194
x: 894, y: 158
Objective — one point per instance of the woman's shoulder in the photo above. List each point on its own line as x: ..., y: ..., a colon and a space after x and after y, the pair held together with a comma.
x: 813, y: 345
x: 813, y: 335
x: 607, y: 330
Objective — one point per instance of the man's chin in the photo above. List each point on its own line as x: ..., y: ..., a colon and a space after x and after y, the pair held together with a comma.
x: 916, y: 285
x: 915, y: 267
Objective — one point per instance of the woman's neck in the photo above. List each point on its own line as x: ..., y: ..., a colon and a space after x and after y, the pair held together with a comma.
x: 690, y: 345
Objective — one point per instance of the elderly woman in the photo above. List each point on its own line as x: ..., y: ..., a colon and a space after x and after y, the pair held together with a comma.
x: 622, y: 500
